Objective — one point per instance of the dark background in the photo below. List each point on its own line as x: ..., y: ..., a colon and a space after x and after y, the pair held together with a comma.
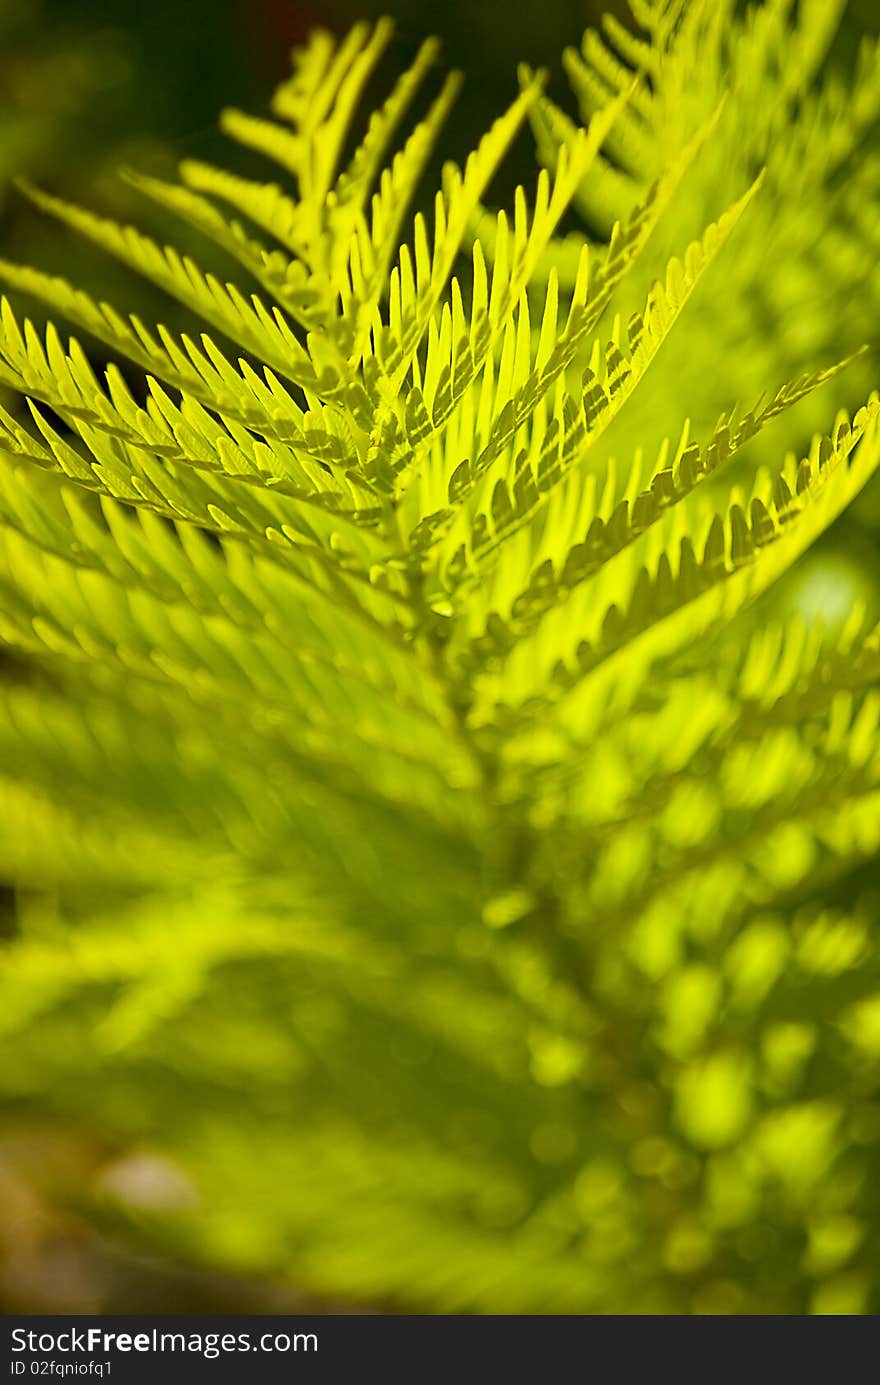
x: 87, y: 86
x: 153, y: 74
x: 91, y: 86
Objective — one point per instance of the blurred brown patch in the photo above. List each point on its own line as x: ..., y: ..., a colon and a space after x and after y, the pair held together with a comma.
x: 53, y: 1259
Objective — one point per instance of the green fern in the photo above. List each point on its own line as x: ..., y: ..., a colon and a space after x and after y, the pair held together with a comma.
x: 782, y: 108
x: 418, y: 833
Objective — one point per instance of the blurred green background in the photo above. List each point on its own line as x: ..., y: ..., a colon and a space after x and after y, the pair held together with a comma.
x: 87, y: 86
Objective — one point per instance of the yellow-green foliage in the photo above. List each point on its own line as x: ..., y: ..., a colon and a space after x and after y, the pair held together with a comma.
x: 420, y: 832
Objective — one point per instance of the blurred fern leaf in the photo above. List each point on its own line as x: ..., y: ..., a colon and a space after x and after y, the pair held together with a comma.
x: 425, y: 824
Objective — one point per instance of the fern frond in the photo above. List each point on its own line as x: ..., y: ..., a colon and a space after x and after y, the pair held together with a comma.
x: 266, y: 334
x: 691, y: 583
x: 616, y: 512
x: 407, y: 740
x: 291, y: 285
x: 606, y: 389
